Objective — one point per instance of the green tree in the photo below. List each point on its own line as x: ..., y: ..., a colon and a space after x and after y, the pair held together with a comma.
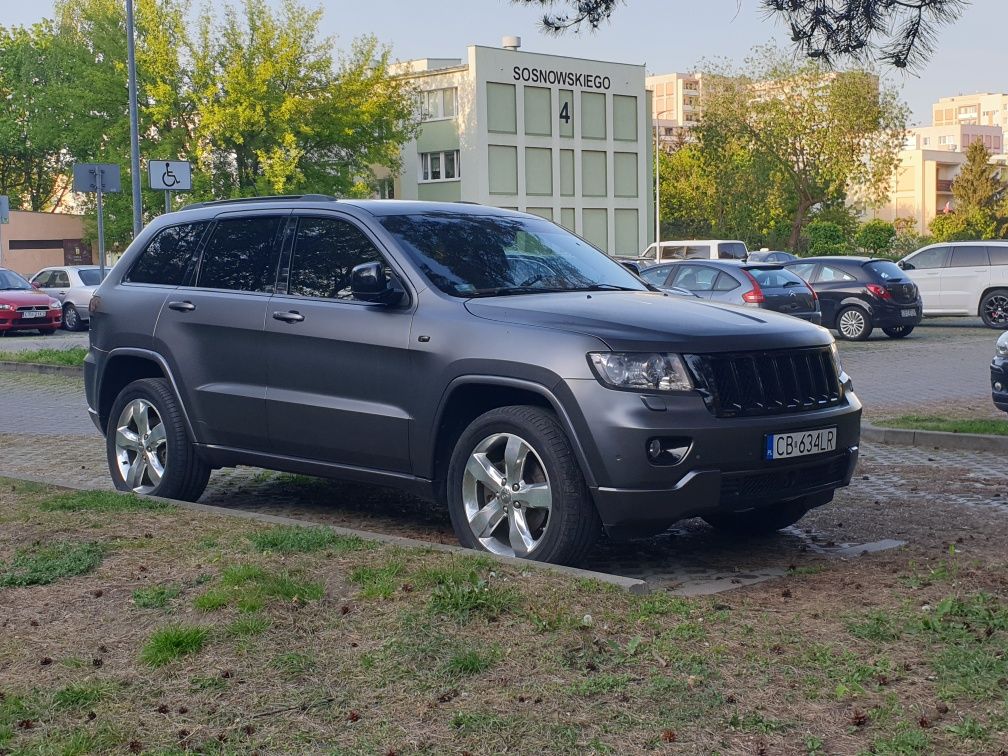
x: 825, y: 132
x: 826, y: 238
x: 279, y: 115
x: 963, y: 226
x: 980, y: 191
x: 876, y: 237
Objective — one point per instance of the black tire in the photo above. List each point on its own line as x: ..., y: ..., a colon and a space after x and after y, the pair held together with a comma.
x: 762, y: 521
x: 994, y: 309
x: 858, y: 315
x: 573, y: 525
x: 185, y: 474
x: 898, y: 332
x: 71, y: 318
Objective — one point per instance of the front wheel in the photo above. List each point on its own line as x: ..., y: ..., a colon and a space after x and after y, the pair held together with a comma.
x: 762, y: 521
x: 71, y: 318
x: 898, y: 332
x: 994, y: 309
x: 147, y: 446
x: 854, y: 323
x: 515, y: 488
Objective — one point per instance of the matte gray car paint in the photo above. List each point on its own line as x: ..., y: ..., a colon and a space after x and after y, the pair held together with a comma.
x: 353, y: 390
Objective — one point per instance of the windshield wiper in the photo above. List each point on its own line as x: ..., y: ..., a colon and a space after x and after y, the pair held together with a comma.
x: 603, y: 287
x: 505, y: 291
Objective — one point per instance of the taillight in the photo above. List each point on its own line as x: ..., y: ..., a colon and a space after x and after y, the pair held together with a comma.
x: 755, y: 296
x: 879, y: 291
x: 815, y: 297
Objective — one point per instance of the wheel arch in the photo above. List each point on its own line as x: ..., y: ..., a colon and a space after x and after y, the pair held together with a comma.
x: 989, y: 290
x: 122, y: 367
x: 851, y: 302
x: 468, y: 397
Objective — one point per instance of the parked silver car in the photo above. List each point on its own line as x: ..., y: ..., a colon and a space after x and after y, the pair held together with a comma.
x: 72, y: 285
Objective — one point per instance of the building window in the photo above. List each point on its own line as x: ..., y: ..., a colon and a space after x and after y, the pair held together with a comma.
x: 436, y: 104
x: 439, y: 166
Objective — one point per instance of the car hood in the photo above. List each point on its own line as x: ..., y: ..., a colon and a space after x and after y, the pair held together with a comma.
x: 652, y: 321
x: 23, y: 298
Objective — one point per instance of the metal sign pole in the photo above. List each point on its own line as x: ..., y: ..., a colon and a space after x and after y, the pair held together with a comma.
x: 101, y: 224
x: 167, y: 201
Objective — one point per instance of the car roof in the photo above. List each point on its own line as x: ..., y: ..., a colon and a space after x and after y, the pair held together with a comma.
x: 378, y: 208
x: 837, y: 260
x: 701, y: 241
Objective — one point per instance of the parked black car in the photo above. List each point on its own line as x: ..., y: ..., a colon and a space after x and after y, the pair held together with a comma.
x: 487, y: 359
x: 768, y: 287
x: 999, y: 373
x: 859, y: 294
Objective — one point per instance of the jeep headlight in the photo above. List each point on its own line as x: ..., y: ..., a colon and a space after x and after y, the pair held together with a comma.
x: 633, y: 371
x: 1002, y: 345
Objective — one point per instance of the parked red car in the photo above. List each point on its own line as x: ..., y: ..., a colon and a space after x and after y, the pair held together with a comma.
x: 22, y: 307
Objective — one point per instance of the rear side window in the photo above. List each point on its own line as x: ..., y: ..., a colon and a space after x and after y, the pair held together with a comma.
x: 998, y: 254
x: 242, y: 255
x: 90, y: 276
x: 167, y: 256
x: 969, y: 257
x: 725, y: 282
x: 775, y: 278
x: 832, y: 275
x: 325, y: 252
x: 885, y: 270
x: 732, y: 251
x: 929, y: 258
x: 804, y: 270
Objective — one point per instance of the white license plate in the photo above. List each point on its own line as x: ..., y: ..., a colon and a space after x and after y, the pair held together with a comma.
x: 909, y: 313
x: 801, y: 444
x: 28, y: 314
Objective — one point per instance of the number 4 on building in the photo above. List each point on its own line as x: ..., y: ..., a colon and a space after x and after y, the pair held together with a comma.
x: 565, y: 112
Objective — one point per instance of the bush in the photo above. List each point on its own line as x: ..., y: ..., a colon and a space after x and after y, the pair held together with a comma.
x: 909, y: 241
x: 826, y: 238
x: 876, y: 237
x: 968, y: 226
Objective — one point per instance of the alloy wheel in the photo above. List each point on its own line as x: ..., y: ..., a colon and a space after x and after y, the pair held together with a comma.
x: 995, y: 309
x: 506, y: 495
x: 70, y: 318
x: 141, y: 446
x: 852, y: 323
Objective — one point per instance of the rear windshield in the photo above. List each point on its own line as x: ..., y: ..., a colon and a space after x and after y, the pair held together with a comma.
x: 91, y: 276
x: 732, y: 251
x: 774, y: 278
x: 885, y: 270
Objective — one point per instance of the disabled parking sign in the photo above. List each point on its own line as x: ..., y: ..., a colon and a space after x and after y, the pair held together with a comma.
x: 170, y: 175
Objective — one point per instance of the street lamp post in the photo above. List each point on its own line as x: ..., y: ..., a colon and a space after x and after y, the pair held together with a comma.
x: 134, y: 125
x: 657, y: 177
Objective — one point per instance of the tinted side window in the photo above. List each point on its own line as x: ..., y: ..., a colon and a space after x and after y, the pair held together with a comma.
x: 929, y: 258
x: 725, y: 282
x: 832, y: 275
x: 731, y: 250
x: 698, y: 252
x: 998, y: 254
x: 167, y: 256
x: 969, y: 257
x: 241, y: 255
x: 325, y: 252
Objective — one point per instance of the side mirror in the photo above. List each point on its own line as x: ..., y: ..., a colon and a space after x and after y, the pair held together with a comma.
x: 632, y: 267
x: 35, y: 286
x: 369, y: 283
x: 904, y: 266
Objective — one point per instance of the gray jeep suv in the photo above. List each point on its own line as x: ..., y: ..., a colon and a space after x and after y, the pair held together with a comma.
x: 485, y: 358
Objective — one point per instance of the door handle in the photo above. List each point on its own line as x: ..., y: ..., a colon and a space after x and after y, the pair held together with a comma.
x: 181, y: 306
x: 288, y: 317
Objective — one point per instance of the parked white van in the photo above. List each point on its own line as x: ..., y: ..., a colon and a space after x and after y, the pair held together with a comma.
x: 962, y: 278
x: 694, y: 249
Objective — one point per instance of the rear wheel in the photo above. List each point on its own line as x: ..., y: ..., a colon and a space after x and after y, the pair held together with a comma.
x: 898, y: 332
x: 854, y: 323
x: 515, y: 488
x: 71, y: 318
x: 147, y: 446
x: 994, y: 309
x: 762, y: 521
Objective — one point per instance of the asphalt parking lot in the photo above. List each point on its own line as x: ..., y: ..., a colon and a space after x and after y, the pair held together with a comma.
x: 45, y: 434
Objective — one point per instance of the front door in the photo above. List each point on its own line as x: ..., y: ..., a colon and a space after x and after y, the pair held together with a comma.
x: 926, y: 269
x: 833, y: 286
x: 56, y: 285
x: 339, y: 368
x: 211, y: 332
x: 696, y: 278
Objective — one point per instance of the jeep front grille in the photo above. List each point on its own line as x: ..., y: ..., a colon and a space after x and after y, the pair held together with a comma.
x: 768, y: 383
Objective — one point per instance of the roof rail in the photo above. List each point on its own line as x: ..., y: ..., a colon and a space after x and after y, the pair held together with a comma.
x: 271, y: 198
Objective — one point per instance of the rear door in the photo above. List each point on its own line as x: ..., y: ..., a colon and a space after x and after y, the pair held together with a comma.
x: 696, y: 278
x: 925, y: 268
x: 965, y: 279
x: 211, y: 330
x: 339, y: 368
x: 727, y: 288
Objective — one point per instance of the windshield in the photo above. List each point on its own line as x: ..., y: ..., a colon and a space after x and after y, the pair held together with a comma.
x: 470, y: 256
x: 90, y: 276
x: 11, y: 280
x: 885, y: 270
x: 775, y: 278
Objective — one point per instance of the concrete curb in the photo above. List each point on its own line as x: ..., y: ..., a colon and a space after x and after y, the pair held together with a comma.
x: 935, y: 439
x: 39, y: 368
x: 631, y: 585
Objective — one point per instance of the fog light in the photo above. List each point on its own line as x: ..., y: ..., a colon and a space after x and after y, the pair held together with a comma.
x: 668, y: 451
x: 998, y: 386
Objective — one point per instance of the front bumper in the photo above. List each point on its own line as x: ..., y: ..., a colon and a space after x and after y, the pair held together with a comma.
x: 12, y: 321
x: 724, y: 469
x: 999, y: 377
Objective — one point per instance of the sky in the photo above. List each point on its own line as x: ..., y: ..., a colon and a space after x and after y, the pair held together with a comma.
x: 665, y: 35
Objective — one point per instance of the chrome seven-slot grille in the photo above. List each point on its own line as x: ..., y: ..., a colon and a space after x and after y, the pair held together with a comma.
x: 767, y: 383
